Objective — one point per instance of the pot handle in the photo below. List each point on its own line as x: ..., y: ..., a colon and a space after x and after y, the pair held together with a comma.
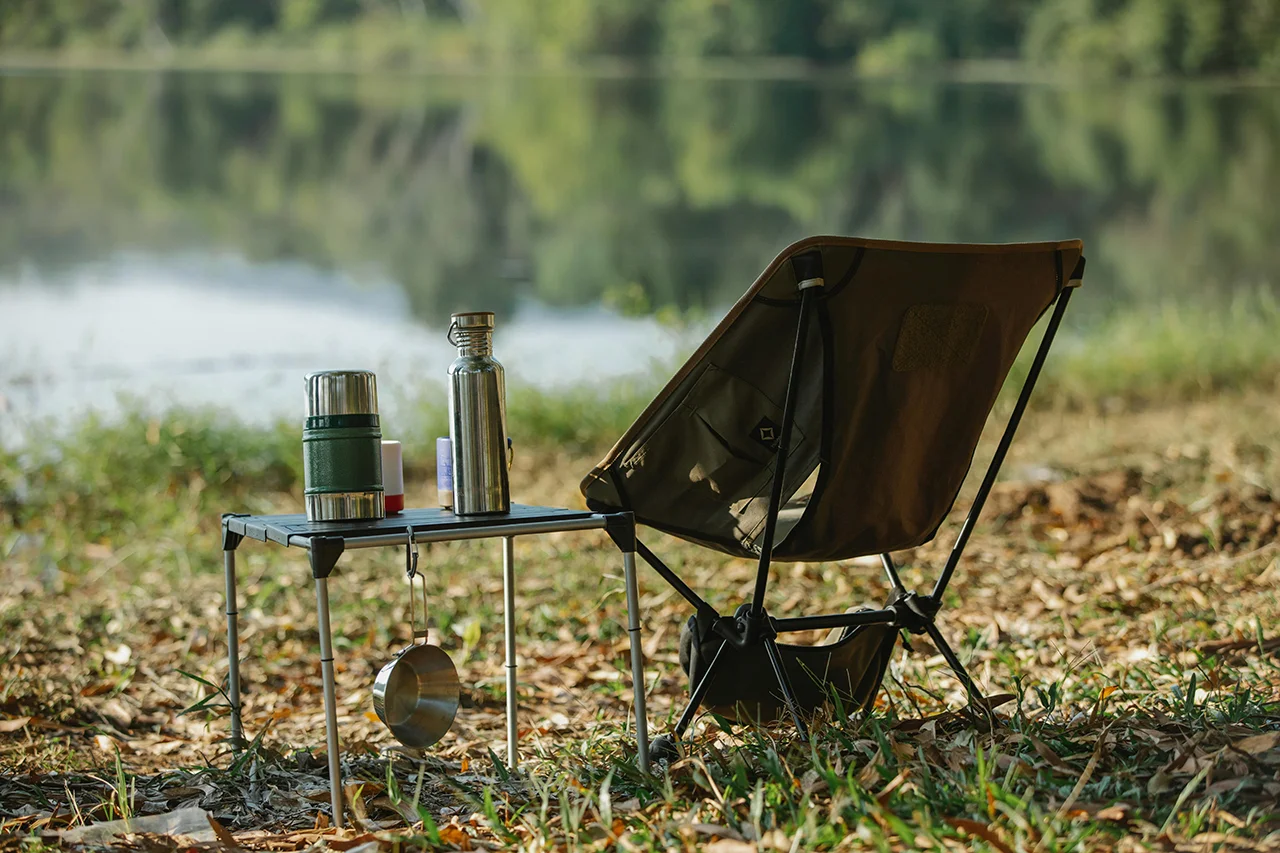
x: 411, y: 571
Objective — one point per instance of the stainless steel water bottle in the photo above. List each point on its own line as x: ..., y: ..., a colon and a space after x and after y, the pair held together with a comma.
x: 342, y: 447
x: 477, y: 418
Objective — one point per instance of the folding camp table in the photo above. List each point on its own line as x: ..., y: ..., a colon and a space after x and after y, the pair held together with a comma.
x: 325, y: 543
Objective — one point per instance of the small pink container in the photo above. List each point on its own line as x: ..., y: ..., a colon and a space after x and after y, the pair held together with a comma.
x: 392, y: 476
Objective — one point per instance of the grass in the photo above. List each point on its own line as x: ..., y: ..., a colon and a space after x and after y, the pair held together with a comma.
x: 1135, y: 634
x: 1173, y: 351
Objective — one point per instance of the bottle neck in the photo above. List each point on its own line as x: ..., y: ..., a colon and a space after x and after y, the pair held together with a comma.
x: 473, y: 343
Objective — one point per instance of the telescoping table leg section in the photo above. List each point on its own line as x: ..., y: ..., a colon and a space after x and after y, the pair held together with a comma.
x: 637, y: 658
x: 509, y: 636
x: 324, y: 552
x: 624, y: 538
x: 230, y: 541
x: 330, y: 698
x: 233, y: 650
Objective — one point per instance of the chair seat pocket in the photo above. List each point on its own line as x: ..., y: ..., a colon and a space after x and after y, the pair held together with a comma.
x: 715, y: 451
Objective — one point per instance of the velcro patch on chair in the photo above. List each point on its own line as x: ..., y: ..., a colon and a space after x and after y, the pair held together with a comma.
x: 767, y: 434
x: 939, y: 335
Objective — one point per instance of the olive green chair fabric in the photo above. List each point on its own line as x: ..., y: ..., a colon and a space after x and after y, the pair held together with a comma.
x: 846, y: 669
x: 911, y: 346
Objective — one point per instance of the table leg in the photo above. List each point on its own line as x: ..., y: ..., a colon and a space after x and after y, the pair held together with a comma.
x: 330, y: 699
x: 233, y: 650
x: 509, y: 634
x: 637, y: 658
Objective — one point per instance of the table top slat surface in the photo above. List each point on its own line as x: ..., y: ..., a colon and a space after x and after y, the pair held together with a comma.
x: 278, y: 528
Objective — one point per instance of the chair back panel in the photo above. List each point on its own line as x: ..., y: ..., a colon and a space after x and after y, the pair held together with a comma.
x: 907, y: 350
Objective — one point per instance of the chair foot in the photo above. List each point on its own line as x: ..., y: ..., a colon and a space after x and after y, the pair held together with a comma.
x: 664, y: 748
x: 784, y: 684
x: 977, y: 702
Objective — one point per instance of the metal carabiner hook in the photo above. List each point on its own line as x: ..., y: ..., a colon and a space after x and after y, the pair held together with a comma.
x: 411, y: 555
x: 411, y: 572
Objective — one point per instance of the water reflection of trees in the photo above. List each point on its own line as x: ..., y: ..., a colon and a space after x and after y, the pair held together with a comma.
x: 644, y: 193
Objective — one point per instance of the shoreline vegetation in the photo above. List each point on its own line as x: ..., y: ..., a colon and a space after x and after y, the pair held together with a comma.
x: 301, y: 61
x: 646, y: 196
x: 1129, y: 362
x: 1121, y: 38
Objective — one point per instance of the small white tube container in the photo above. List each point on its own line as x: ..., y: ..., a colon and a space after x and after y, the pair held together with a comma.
x: 392, y: 476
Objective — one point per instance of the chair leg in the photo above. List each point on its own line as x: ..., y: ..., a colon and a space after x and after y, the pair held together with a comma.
x: 976, y: 699
x: 665, y: 747
x: 784, y: 682
x: 699, y: 692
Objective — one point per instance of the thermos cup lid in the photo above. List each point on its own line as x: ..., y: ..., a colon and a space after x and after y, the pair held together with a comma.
x: 473, y: 320
x: 342, y: 392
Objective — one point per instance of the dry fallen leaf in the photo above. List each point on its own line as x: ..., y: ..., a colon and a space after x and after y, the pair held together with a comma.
x: 119, y: 655
x: 97, y: 688
x: 730, y: 845
x: 224, y: 837
x: 716, y: 830
x: 349, y: 843
x: 13, y: 724
x: 896, y: 782
x: 451, y: 834
x: 116, y: 713
x: 1087, y: 773
x: 165, y: 747
x: 1160, y: 782
x: 1043, y: 750
x: 1118, y: 813
x: 980, y: 830
x: 1258, y: 744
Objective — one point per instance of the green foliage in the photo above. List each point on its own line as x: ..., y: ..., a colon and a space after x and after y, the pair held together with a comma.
x: 1145, y: 37
x: 660, y: 195
x: 143, y: 476
x: 1114, y: 36
x: 102, y: 477
x: 1167, y: 350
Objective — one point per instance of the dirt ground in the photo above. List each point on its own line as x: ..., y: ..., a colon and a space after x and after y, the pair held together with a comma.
x: 1122, y: 588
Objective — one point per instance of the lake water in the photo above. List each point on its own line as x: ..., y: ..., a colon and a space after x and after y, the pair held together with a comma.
x: 210, y: 238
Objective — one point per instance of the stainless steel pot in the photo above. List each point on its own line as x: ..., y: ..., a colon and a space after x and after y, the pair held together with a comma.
x: 417, y: 694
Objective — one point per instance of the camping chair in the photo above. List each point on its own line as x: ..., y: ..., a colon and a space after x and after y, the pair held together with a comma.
x: 856, y: 444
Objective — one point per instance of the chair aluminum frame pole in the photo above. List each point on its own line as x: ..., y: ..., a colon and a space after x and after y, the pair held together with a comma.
x: 758, y: 626
x: 1006, y: 439
x: 784, y: 446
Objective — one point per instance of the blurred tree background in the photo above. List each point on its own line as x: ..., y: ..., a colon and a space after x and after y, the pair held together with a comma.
x: 645, y: 191
x: 646, y: 194
x: 1126, y: 37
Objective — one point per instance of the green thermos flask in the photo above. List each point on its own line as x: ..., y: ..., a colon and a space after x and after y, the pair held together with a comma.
x: 342, y: 447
